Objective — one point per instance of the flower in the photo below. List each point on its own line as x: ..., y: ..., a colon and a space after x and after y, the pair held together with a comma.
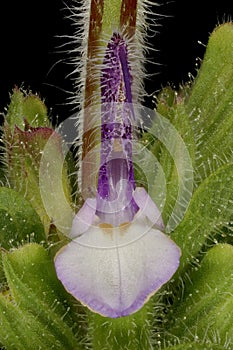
x: 115, y: 269
x: 118, y: 255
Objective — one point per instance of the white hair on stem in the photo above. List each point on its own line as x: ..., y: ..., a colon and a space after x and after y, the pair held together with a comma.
x: 137, y: 45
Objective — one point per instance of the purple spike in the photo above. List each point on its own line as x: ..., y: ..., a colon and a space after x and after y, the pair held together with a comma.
x: 116, y: 177
x: 114, y: 87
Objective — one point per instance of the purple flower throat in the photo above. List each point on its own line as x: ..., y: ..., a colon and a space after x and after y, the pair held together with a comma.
x: 115, y: 204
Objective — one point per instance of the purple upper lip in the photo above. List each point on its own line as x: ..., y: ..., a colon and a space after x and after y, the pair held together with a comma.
x: 116, y: 135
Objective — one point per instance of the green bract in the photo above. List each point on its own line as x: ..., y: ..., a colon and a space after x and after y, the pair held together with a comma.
x: 26, y: 108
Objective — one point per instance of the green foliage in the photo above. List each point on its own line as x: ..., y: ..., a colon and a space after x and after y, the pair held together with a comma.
x: 209, y: 212
x: 204, y: 310
x: 34, y: 313
x: 19, y: 221
x: 210, y: 104
x: 195, y: 346
x: 191, y: 143
x: 132, y: 332
x: 26, y: 135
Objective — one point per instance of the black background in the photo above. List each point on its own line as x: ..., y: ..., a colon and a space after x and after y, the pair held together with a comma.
x: 29, y: 46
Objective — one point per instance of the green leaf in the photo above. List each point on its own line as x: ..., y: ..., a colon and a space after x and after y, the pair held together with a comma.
x: 132, y: 332
x: 209, y: 211
x: 173, y: 181
x: 38, y: 305
x: 210, y: 104
x: 19, y: 329
x: 195, y: 346
x: 204, y: 311
x: 19, y: 222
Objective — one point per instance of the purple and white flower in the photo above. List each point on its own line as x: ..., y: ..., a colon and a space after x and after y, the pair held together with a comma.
x: 118, y: 255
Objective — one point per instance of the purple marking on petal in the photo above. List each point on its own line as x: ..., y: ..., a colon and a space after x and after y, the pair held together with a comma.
x: 115, y: 203
x: 116, y: 135
x: 114, y: 87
